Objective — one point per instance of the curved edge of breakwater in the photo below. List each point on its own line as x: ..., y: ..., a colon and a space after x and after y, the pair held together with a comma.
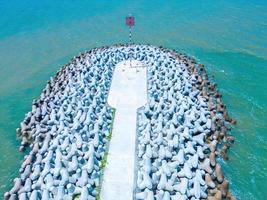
x: 218, y: 139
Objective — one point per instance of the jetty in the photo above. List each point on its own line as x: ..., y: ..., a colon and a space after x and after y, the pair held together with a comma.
x: 125, y: 122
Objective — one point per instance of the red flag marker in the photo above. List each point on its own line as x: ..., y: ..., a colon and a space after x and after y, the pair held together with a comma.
x: 130, y: 21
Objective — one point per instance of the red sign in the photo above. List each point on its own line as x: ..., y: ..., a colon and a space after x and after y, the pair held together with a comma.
x: 130, y: 21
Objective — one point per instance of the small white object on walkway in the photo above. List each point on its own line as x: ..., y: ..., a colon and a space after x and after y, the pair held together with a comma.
x: 128, y: 92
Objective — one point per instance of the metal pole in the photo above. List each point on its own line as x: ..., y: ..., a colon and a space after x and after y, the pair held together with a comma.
x: 130, y: 40
x: 130, y: 34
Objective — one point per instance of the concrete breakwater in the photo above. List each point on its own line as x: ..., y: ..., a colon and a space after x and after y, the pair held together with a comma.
x: 181, y: 130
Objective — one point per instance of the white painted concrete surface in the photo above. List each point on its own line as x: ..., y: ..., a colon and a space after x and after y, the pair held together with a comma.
x: 128, y: 92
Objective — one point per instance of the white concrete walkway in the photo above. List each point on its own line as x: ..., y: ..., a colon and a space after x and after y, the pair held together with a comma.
x: 128, y: 92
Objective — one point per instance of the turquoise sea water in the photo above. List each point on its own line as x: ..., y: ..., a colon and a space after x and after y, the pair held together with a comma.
x: 229, y: 37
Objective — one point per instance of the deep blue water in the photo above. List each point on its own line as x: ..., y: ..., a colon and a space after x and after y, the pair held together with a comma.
x: 229, y: 37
